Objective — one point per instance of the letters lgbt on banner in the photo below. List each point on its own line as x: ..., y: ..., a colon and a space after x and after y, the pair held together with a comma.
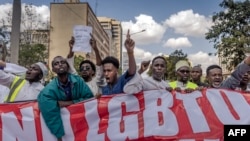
x: 149, y: 115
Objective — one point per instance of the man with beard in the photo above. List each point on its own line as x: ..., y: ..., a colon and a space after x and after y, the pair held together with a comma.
x: 182, y: 68
x: 22, y: 89
x: 64, y: 90
x: 215, y: 79
x: 110, y: 65
x: 155, y: 81
x: 91, y: 74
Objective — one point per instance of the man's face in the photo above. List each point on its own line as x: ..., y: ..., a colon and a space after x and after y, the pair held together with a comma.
x: 158, y: 69
x: 183, y: 74
x: 214, y: 77
x: 196, y: 73
x: 60, y: 65
x: 245, y: 78
x: 86, y: 72
x: 34, y: 73
x: 110, y: 73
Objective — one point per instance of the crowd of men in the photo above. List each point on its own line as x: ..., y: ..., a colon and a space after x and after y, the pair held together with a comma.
x: 102, y: 78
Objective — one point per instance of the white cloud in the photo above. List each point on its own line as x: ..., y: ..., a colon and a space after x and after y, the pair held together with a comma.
x: 142, y: 54
x: 202, y: 58
x: 189, y: 23
x: 154, y: 31
x: 177, y: 43
x: 5, y: 9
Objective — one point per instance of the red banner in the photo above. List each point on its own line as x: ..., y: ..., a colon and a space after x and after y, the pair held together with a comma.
x: 150, y: 115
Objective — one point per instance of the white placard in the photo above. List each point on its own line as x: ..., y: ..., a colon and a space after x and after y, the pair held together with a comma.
x: 82, y: 36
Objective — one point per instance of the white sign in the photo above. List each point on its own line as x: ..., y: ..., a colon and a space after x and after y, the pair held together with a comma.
x: 82, y: 36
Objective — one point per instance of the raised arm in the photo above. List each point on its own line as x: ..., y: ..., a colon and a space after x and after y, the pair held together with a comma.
x: 129, y: 45
x: 97, y: 54
x: 70, y: 56
x: 71, y: 43
x: 144, y: 66
x: 234, y: 80
x: 13, y: 68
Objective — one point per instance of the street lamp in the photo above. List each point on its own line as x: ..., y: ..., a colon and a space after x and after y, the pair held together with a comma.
x: 136, y: 32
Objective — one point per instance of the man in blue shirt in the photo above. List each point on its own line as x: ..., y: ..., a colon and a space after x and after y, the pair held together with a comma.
x: 110, y: 65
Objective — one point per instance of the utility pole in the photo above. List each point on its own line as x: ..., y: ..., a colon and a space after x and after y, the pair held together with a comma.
x: 15, y: 31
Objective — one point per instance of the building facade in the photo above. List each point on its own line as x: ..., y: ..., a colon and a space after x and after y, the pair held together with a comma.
x: 63, y: 18
x: 114, y: 30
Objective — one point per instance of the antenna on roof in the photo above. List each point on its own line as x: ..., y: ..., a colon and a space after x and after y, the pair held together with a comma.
x: 96, y: 4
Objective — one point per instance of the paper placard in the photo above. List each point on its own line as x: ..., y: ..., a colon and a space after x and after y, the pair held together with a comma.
x: 82, y: 36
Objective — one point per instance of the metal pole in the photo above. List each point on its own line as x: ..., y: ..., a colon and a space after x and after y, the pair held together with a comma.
x: 15, y: 31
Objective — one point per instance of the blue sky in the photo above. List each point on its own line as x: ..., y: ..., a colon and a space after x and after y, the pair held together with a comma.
x: 169, y: 24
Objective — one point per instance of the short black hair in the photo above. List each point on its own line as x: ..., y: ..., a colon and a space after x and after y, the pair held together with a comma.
x: 112, y: 60
x: 88, y: 62
x: 212, y: 67
x: 52, y: 63
x: 159, y: 57
x: 197, y: 66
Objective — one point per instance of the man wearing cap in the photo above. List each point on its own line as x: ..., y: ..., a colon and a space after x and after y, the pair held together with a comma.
x: 22, y: 89
x: 182, y: 69
x: 64, y: 90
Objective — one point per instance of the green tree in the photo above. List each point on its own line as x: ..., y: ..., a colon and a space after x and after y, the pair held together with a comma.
x: 32, y: 53
x: 77, y: 60
x: 231, y: 31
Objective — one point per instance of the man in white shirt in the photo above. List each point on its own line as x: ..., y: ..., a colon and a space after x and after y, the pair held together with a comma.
x: 137, y: 83
x: 22, y: 89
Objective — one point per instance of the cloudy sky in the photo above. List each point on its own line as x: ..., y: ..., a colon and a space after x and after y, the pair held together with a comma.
x: 169, y: 24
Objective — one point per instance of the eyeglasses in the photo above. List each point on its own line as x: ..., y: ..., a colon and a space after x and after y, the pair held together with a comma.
x: 85, y: 68
x: 184, y: 71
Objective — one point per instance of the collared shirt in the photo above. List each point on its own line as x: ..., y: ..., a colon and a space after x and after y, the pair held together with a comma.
x: 66, y: 88
x: 117, y: 88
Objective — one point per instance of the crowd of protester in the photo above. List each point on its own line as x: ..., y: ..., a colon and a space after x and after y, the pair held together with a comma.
x: 95, y: 80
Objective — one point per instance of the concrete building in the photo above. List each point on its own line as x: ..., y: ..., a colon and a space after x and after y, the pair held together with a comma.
x: 63, y: 17
x: 114, y: 30
x: 124, y: 61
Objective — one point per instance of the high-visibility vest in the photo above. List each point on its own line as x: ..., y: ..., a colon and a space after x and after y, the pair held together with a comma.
x: 15, y: 87
x: 189, y: 85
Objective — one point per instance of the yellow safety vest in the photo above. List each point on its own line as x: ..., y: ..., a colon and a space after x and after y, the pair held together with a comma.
x: 15, y: 87
x: 189, y: 85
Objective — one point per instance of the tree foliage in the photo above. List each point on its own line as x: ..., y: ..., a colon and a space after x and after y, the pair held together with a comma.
x: 32, y: 53
x: 77, y: 60
x: 231, y: 32
x: 171, y: 60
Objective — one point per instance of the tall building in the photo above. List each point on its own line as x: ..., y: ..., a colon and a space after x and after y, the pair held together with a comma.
x: 63, y: 17
x: 114, y: 30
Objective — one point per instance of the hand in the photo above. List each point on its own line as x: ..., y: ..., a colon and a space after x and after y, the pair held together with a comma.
x: 98, y: 95
x: 71, y: 42
x: 92, y: 42
x: 64, y: 103
x: 144, y: 66
x: 200, y: 88
x: 129, y: 44
x: 178, y: 89
x: 169, y: 89
x: 2, y: 63
x: 189, y: 90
